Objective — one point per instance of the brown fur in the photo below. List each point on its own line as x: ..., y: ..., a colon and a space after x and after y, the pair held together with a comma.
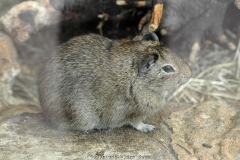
x: 92, y: 82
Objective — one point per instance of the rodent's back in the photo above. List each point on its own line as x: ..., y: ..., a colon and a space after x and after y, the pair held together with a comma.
x: 69, y: 74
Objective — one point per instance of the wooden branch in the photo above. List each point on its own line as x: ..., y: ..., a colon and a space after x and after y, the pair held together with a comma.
x: 156, y: 15
x: 143, y: 21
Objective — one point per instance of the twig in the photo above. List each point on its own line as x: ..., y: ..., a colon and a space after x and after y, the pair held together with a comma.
x: 143, y: 20
x: 184, y: 149
x: 214, y: 68
x: 161, y: 142
x: 156, y: 15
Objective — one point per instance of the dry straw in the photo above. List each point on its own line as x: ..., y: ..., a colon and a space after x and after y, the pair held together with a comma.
x: 220, y: 81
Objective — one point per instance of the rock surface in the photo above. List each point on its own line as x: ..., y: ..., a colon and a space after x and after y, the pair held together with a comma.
x: 27, y: 18
x: 9, y: 67
x: 209, y: 130
x: 14, y: 90
x: 27, y: 136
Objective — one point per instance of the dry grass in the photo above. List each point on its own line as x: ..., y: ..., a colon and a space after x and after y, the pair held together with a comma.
x: 220, y: 81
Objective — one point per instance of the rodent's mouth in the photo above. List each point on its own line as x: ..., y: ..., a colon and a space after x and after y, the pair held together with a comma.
x: 183, y: 80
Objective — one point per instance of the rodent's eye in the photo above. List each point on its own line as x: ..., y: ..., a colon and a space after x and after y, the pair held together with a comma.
x: 168, y: 68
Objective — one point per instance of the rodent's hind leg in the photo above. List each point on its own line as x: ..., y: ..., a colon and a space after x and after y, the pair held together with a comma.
x: 143, y: 127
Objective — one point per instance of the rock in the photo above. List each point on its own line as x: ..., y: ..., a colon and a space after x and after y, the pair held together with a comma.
x: 5, y: 5
x: 28, y: 17
x: 9, y: 67
x: 28, y: 136
x: 15, y: 94
x: 210, y: 130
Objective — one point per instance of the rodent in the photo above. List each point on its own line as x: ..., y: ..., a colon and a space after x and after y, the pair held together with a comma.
x: 92, y: 82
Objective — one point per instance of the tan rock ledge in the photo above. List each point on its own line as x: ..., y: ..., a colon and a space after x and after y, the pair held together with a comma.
x: 27, y: 136
x: 209, y: 130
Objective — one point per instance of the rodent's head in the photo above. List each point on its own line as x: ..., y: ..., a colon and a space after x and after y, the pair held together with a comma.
x: 160, y: 70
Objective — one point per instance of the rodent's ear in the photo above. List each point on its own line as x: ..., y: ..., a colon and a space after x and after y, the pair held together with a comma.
x: 150, y: 37
x: 147, y: 64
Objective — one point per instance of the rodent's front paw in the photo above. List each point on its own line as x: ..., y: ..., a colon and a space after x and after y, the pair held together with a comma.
x: 144, y: 127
